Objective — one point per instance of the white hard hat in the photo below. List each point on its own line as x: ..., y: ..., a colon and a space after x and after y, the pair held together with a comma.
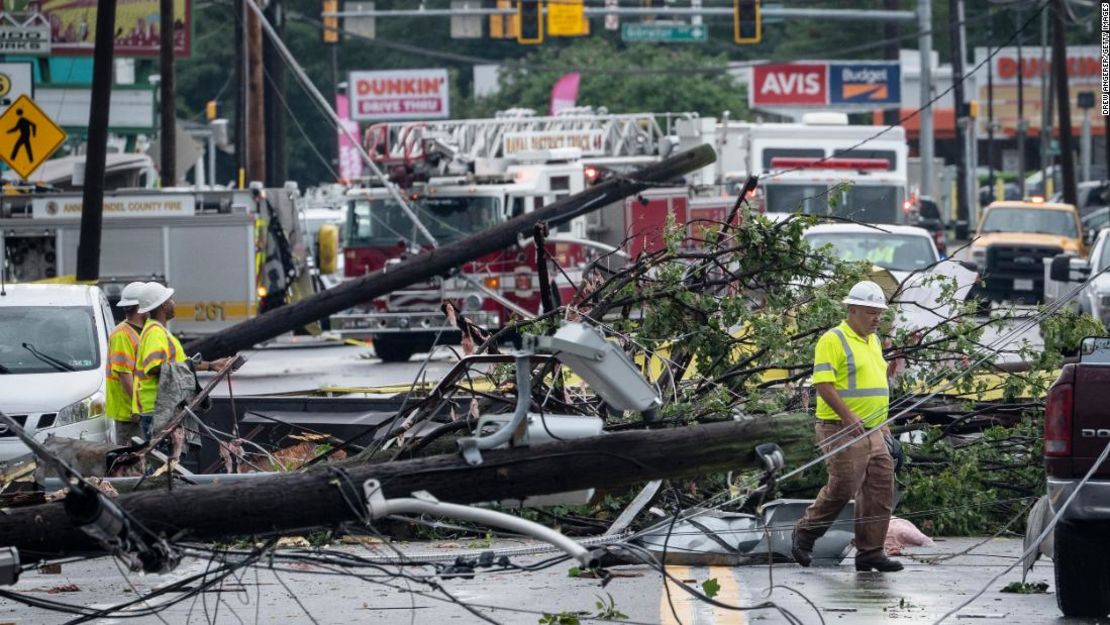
x: 129, y: 296
x: 153, y: 296
x: 866, y: 293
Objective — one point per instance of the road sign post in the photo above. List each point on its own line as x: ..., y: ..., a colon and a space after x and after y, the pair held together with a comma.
x: 27, y: 136
x: 662, y: 32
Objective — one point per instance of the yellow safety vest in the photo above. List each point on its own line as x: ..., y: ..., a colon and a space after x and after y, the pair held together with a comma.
x: 156, y: 346
x: 122, y: 347
x: 856, y: 368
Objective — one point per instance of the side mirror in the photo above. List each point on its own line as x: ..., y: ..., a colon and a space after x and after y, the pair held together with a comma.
x: 1089, y: 236
x: 1061, y: 268
x: 1060, y: 271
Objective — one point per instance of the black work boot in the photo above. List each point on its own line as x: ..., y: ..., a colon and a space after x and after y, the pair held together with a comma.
x: 878, y: 562
x: 801, y: 549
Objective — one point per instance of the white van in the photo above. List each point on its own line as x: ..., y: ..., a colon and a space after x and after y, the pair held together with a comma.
x: 53, y: 362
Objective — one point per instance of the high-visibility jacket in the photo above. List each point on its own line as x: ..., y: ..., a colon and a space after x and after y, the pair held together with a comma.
x: 856, y: 368
x: 156, y: 346
x: 123, y: 344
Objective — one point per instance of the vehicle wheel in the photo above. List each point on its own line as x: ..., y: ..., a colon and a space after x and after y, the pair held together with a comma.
x: 1082, y: 569
x: 393, y: 348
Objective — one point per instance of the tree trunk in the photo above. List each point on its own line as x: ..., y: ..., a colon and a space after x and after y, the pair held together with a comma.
x: 299, y: 501
x: 442, y: 260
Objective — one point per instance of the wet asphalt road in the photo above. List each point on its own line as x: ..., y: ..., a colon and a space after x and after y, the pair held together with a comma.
x: 306, y: 593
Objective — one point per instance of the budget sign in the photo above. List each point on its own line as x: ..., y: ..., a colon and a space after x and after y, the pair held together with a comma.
x: 399, y: 95
x: 871, y: 83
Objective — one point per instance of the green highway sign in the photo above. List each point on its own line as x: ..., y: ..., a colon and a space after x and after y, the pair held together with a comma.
x: 663, y: 32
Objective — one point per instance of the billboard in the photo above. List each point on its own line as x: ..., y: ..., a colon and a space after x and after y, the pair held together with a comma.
x: 72, y: 25
x: 1084, y: 68
x: 850, y: 86
x: 790, y: 84
x: 405, y: 94
x: 865, y: 83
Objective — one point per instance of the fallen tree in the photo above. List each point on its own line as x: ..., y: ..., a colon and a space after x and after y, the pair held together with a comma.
x: 298, y: 501
x: 443, y: 259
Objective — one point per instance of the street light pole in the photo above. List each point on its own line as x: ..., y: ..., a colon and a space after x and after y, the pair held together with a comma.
x: 925, y: 136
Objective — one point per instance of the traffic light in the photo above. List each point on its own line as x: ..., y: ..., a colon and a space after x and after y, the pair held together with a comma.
x: 330, y: 23
x: 211, y: 110
x: 530, y: 13
x: 747, y: 21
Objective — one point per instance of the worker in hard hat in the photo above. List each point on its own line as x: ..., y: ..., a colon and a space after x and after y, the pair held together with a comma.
x: 853, y: 398
x: 158, y: 346
x: 123, y: 345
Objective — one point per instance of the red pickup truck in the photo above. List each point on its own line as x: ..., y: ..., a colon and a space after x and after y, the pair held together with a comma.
x: 1076, y: 431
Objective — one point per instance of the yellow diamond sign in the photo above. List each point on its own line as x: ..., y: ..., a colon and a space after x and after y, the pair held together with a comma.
x: 27, y: 136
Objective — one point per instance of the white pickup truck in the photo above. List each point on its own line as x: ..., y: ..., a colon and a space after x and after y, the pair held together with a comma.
x: 1065, y: 272
x: 53, y: 362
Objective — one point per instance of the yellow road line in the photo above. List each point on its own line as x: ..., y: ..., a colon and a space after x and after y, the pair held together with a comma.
x: 684, y: 603
x: 730, y: 593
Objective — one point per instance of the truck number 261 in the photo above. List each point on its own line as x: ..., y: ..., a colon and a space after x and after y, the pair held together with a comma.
x: 208, y: 311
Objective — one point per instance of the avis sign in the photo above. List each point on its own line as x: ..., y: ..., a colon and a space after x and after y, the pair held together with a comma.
x: 399, y: 95
x: 858, y: 86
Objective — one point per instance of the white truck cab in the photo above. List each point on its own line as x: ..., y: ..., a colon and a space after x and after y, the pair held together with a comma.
x: 53, y: 362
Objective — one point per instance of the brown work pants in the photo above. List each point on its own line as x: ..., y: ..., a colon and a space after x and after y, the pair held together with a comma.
x: 863, y: 470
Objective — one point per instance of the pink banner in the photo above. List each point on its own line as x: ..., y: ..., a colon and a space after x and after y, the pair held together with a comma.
x: 350, y: 162
x: 565, y: 92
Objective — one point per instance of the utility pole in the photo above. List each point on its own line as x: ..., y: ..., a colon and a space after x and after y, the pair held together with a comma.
x: 168, y: 138
x: 241, y: 94
x: 1060, y: 71
x: 277, y: 167
x: 92, y: 196
x: 955, y: 19
x: 925, y: 137
x: 990, y: 107
x: 1022, y: 126
x: 890, y: 33
x: 256, y: 109
x: 1046, y: 105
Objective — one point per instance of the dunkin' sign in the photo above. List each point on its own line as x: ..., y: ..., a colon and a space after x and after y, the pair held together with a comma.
x: 399, y: 95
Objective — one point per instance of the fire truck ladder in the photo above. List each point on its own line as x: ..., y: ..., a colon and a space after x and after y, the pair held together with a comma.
x: 606, y: 135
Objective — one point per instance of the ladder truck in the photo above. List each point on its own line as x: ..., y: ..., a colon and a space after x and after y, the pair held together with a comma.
x: 461, y: 177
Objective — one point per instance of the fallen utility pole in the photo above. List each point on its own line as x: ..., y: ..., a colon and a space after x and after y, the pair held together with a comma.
x: 442, y: 260
x: 292, y: 502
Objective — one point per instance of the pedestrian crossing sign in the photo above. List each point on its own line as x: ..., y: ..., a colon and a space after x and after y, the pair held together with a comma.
x: 27, y: 136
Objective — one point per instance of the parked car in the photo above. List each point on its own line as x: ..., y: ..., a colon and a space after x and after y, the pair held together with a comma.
x: 1091, y: 196
x: 898, y: 249
x: 1013, y: 240
x: 1093, y: 222
x: 1076, y: 430
x: 53, y: 359
x: 1094, y: 297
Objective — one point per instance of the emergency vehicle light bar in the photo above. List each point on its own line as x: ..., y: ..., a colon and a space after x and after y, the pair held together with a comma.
x: 797, y: 162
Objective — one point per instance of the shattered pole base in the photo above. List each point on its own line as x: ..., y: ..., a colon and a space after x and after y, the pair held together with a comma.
x: 735, y: 539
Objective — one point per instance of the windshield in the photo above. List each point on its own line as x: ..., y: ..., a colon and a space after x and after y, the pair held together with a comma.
x: 66, y: 335
x: 382, y: 221
x: 865, y: 203
x: 898, y: 252
x: 1033, y: 220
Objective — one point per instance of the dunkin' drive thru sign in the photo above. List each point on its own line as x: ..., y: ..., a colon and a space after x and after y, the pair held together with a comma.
x: 399, y: 95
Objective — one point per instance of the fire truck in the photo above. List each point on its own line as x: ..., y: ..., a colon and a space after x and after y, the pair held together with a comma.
x: 821, y: 166
x: 461, y: 177
x: 228, y: 254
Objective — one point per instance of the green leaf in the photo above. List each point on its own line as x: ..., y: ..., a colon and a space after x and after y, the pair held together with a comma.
x: 711, y: 587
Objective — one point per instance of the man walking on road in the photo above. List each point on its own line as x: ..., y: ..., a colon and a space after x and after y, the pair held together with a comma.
x: 123, y: 345
x: 853, y: 397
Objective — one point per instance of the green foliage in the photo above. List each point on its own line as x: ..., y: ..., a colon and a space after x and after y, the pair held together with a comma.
x: 711, y: 587
x: 562, y: 618
x: 607, y: 608
x: 1025, y: 588
x: 969, y: 489
x: 628, y: 78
